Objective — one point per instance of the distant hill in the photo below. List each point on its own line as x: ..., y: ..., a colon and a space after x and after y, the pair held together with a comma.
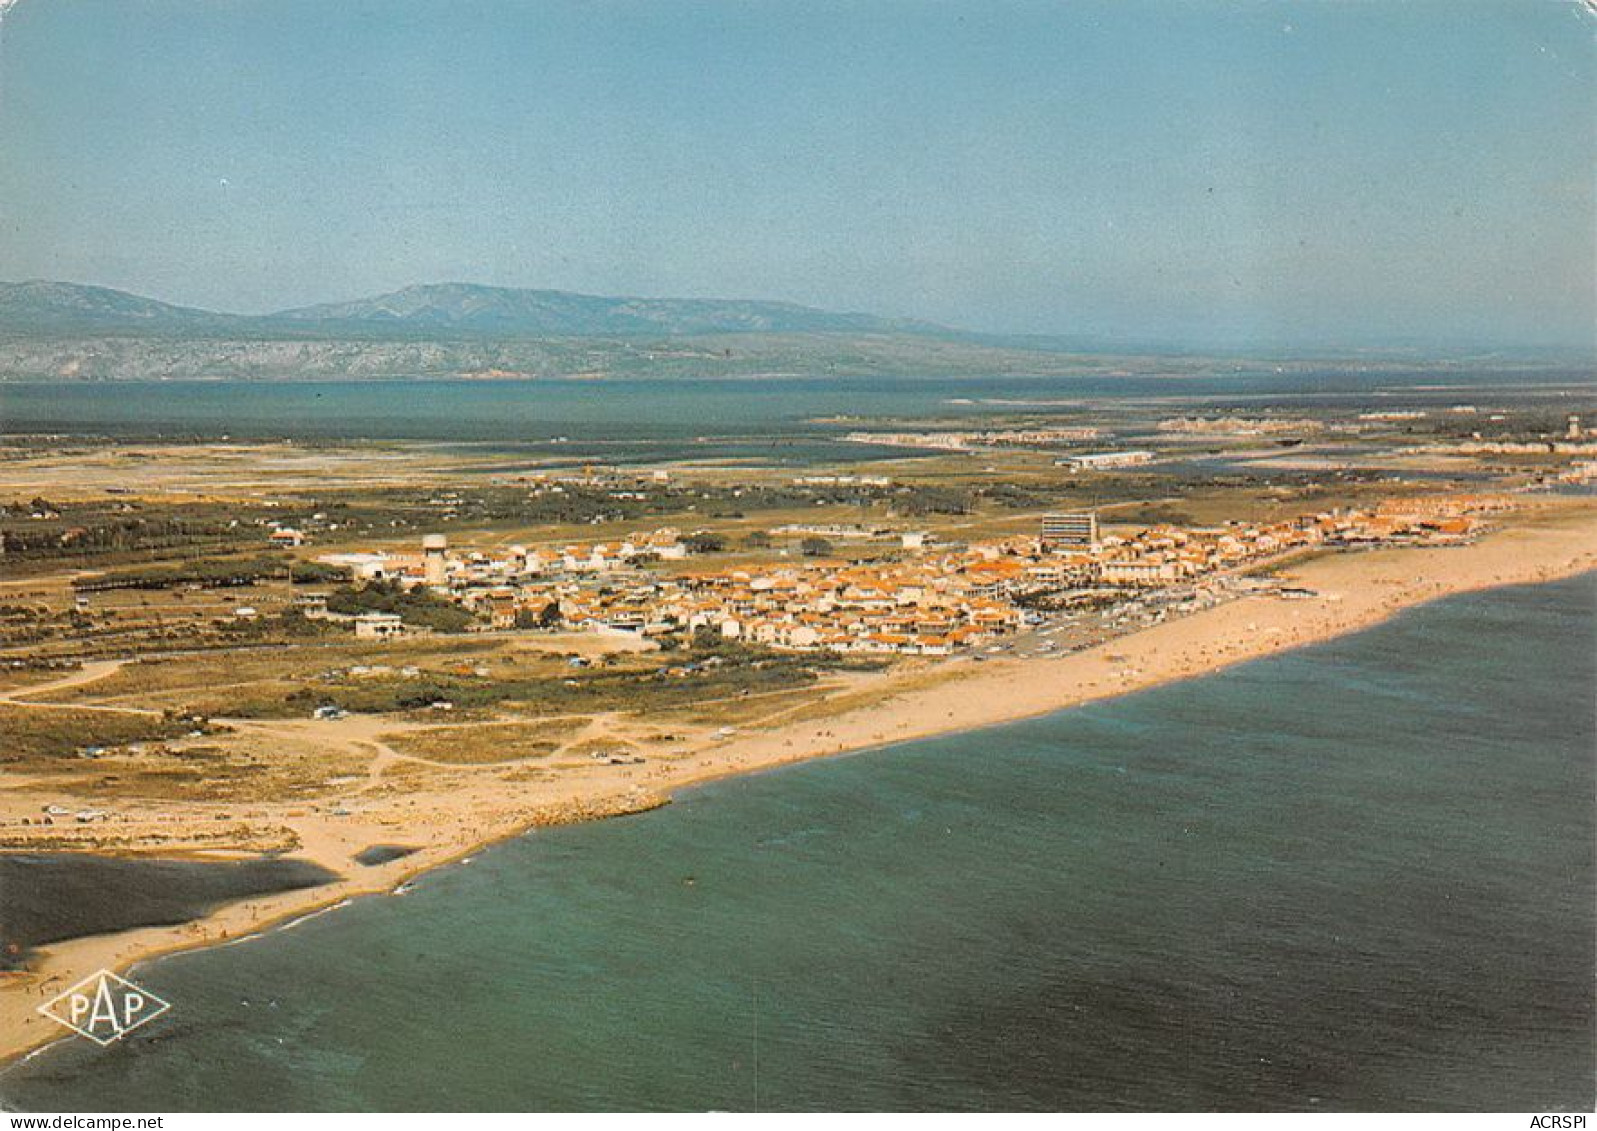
x: 53, y: 331
x: 72, y: 307
x: 447, y: 309
x: 507, y: 311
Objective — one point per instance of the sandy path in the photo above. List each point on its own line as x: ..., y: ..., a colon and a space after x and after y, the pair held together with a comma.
x: 88, y: 673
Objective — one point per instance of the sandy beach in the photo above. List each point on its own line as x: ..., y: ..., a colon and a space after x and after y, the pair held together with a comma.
x: 446, y: 819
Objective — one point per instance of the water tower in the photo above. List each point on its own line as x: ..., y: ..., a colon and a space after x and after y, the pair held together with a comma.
x: 432, y: 558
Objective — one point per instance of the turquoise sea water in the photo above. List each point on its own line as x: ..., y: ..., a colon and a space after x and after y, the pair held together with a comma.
x: 1357, y: 876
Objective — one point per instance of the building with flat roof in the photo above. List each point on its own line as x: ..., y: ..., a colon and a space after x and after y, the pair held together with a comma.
x: 1103, y: 461
x: 378, y: 626
x: 1076, y: 531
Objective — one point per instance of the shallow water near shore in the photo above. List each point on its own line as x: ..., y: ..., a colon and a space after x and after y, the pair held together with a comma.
x: 45, y: 897
x: 1355, y: 876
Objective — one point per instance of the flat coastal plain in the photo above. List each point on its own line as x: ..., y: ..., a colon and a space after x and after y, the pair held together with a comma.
x: 446, y: 810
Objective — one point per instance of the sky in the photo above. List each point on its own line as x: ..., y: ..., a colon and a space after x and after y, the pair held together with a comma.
x: 1349, y: 173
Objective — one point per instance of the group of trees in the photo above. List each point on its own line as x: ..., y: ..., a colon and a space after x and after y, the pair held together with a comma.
x: 709, y: 542
x: 42, y: 529
x: 415, y: 606
x: 213, y: 573
x: 107, y: 535
x: 705, y: 542
x: 545, y: 618
x: 578, y: 503
x: 37, y: 505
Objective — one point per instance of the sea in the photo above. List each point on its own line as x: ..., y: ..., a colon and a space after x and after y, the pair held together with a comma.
x: 1357, y: 876
x: 792, y: 421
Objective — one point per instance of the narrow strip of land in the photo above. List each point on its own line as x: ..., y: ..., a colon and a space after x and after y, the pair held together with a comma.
x: 453, y: 813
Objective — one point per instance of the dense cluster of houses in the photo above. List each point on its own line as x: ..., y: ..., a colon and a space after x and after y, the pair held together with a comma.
x: 929, y: 600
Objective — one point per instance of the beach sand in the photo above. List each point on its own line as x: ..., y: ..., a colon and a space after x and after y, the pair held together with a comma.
x: 447, y: 818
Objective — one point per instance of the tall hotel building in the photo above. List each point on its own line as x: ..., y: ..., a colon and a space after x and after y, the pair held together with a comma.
x: 1075, y: 531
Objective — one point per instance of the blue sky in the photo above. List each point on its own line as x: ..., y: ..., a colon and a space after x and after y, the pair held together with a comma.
x: 1212, y: 173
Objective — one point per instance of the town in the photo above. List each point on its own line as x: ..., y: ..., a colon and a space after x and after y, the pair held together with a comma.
x: 913, y: 596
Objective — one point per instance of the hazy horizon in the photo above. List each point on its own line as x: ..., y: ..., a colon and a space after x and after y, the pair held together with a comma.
x: 1206, y: 174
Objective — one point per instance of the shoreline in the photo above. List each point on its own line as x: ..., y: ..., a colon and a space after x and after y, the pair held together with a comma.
x: 1547, y: 540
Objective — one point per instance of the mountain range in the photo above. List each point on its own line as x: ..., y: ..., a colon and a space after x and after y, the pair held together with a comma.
x: 52, y: 331
x: 434, y: 309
